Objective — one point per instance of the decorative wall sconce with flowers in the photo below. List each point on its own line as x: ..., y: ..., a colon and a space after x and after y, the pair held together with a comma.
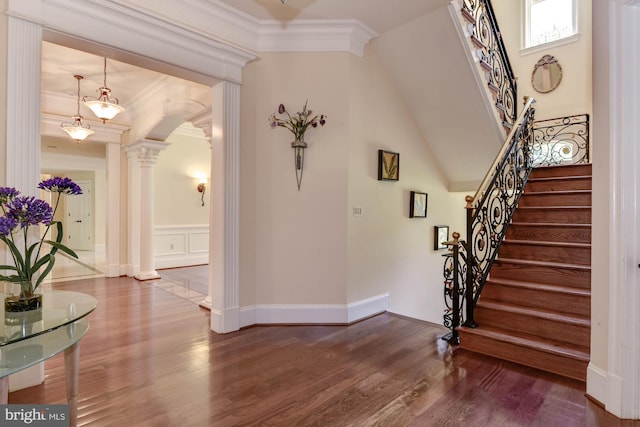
x: 297, y: 124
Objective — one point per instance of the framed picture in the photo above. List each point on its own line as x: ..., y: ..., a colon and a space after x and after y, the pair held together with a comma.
x: 440, y: 234
x: 388, y: 166
x: 418, y: 205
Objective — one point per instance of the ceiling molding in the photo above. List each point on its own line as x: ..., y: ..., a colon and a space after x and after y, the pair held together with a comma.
x: 118, y: 25
x: 314, y: 36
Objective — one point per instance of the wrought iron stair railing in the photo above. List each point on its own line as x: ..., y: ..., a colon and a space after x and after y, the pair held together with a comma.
x: 489, y: 213
x: 561, y: 141
x: 492, y: 54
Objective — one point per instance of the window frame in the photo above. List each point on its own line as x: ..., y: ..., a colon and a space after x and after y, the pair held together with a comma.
x: 526, y: 29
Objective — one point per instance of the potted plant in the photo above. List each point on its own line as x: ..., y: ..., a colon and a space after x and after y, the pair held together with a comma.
x: 32, y: 261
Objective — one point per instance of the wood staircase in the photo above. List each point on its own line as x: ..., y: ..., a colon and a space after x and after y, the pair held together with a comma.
x: 535, y: 308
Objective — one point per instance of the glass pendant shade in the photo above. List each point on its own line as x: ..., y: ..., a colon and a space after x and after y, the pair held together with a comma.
x: 103, y: 106
x: 104, y: 110
x: 78, y: 131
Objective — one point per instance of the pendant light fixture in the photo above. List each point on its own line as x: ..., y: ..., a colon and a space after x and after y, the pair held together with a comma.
x: 103, y: 107
x: 77, y: 130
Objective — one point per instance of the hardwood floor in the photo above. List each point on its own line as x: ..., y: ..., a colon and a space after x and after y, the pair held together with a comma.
x: 150, y: 359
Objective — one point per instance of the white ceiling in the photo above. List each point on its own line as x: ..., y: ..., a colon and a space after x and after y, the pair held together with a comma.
x: 129, y: 83
x: 379, y: 15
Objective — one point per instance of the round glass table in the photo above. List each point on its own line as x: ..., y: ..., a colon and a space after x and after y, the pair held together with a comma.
x: 29, y: 338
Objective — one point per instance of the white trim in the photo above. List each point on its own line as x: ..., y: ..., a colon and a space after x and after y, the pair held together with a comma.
x: 550, y: 45
x: 314, y: 36
x: 597, y: 380
x: 183, y: 247
x: 324, y: 314
x: 112, y: 254
x: 224, y: 241
x: 138, y: 31
x: 479, y: 74
x: 526, y: 30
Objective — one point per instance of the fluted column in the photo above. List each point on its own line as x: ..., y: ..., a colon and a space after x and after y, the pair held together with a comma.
x: 147, y: 152
x: 23, y: 99
x: 224, y: 233
x: 133, y: 211
x: 113, y: 209
x: 23, y: 132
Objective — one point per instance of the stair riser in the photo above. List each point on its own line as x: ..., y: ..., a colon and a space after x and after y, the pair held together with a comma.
x: 563, y: 254
x: 525, y: 323
x: 546, y: 233
x: 559, y: 302
x: 559, y: 184
x: 552, y: 199
x: 564, y: 171
x: 575, y: 277
x: 560, y: 216
x: 557, y: 364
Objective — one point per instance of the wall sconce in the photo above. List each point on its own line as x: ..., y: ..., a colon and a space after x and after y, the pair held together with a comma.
x: 202, y: 188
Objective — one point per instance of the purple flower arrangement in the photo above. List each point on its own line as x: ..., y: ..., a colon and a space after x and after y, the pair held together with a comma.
x: 296, y: 123
x: 19, y: 213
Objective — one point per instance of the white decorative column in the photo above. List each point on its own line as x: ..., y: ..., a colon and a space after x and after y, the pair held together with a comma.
x: 224, y: 232
x: 133, y: 211
x: 23, y: 99
x: 23, y: 132
x: 113, y: 209
x: 613, y: 377
x: 203, y: 120
x: 147, y: 152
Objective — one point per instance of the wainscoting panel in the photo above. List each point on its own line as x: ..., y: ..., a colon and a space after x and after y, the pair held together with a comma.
x: 181, y: 245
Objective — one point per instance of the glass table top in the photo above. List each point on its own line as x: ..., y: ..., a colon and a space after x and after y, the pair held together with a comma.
x: 59, y: 308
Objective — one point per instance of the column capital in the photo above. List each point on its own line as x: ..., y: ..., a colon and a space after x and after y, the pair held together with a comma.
x: 147, y: 151
x: 203, y: 120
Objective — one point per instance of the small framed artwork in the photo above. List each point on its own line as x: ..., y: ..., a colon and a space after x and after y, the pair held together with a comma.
x: 440, y: 234
x: 418, y: 205
x: 388, y: 166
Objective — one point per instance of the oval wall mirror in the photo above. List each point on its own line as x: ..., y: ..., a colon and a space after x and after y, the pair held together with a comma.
x: 547, y: 74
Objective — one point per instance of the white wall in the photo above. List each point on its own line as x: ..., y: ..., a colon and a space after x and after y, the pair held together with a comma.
x: 573, y: 95
x: 300, y: 237
x: 176, y: 199
x: 388, y: 251
x: 305, y: 247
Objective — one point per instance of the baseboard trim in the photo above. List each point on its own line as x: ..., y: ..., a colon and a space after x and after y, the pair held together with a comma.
x: 597, y: 383
x: 225, y: 322
x: 306, y: 314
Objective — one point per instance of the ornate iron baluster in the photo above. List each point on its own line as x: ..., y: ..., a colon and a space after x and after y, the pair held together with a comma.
x: 493, y: 56
x: 561, y: 141
x: 489, y: 214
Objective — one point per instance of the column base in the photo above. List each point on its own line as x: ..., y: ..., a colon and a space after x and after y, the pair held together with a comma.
x: 206, y: 303
x: 149, y: 275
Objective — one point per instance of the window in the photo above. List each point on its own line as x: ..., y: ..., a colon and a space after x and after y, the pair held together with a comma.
x: 547, y: 21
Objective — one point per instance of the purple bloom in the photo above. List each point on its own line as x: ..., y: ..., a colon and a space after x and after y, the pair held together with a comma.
x: 7, y: 225
x: 60, y: 185
x: 29, y: 211
x: 281, y: 109
x: 7, y: 194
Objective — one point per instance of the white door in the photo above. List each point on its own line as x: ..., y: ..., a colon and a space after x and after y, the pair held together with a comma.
x: 78, y: 219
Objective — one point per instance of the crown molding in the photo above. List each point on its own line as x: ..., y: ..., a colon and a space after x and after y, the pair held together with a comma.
x: 314, y: 36
x: 131, y: 29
